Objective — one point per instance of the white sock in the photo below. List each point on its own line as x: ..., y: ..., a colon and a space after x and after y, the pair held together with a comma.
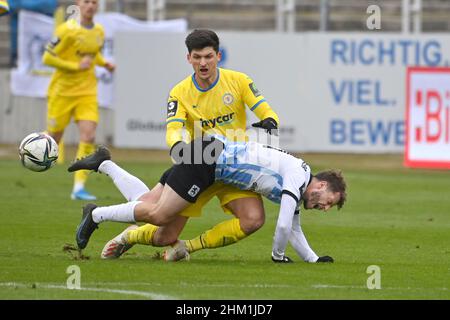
x: 119, y: 213
x: 77, y: 187
x: 130, y: 186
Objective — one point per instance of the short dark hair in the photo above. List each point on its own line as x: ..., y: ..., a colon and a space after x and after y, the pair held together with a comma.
x: 202, y: 38
x: 336, y: 183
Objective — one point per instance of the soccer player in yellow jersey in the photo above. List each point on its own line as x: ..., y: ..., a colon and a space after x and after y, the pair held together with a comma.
x: 211, y: 99
x: 74, y: 51
x: 4, y: 8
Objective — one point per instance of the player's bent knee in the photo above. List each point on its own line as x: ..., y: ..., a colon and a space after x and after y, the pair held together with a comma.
x: 251, y: 224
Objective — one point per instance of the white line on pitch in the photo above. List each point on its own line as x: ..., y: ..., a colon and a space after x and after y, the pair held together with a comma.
x: 330, y: 286
x: 150, y: 295
x: 197, y: 285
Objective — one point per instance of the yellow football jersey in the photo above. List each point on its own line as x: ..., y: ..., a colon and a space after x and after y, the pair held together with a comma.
x: 4, y: 8
x: 218, y: 109
x: 70, y: 44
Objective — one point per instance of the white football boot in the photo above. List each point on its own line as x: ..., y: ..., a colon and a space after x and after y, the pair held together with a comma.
x: 117, y: 246
x: 176, y: 252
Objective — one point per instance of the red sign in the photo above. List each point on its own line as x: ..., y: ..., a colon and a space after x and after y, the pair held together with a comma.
x: 427, y: 118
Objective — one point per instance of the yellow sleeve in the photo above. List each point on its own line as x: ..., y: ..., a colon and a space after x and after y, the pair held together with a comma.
x: 100, y: 60
x: 255, y: 100
x: 173, y: 133
x: 60, y: 42
x: 176, y: 119
x: 263, y: 111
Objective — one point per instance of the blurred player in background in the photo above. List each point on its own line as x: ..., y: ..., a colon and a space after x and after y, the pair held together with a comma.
x: 4, y: 8
x: 213, y: 99
x: 74, y: 51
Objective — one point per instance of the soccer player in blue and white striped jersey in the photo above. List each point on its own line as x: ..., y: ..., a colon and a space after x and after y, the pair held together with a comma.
x: 284, y: 179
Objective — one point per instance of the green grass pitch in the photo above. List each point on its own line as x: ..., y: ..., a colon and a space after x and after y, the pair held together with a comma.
x: 397, y: 219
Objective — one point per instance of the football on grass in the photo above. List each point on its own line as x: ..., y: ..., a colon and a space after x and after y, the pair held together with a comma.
x: 38, y: 151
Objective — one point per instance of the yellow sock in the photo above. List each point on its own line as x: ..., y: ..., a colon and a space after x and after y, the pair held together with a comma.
x: 84, y: 149
x: 142, y: 235
x: 61, y: 155
x: 221, y: 235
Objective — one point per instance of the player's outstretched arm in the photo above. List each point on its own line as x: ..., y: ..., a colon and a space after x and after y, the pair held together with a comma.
x: 298, y: 241
x: 284, y: 226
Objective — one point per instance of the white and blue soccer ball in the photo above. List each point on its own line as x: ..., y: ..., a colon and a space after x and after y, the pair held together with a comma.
x: 38, y: 151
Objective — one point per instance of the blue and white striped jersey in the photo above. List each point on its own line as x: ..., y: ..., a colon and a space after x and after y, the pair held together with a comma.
x: 263, y: 169
x: 277, y: 175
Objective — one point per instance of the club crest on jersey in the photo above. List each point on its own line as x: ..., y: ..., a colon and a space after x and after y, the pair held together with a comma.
x: 172, y: 107
x: 228, y: 99
x: 254, y: 89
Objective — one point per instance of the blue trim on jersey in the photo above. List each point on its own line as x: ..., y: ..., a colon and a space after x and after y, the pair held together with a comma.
x: 242, y: 175
x: 257, y: 104
x: 88, y: 27
x: 239, y: 179
x: 222, y: 166
x: 275, y: 195
x: 176, y: 120
x: 210, y: 87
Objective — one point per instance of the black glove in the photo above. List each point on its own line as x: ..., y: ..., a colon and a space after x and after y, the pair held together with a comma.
x: 268, y: 123
x: 325, y: 259
x: 176, y: 152
x: 284, y: 260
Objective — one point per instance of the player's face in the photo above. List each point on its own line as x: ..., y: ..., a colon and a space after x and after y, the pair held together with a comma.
x: 320, y: 198
x: 204, y: 62
x: 88, y: 8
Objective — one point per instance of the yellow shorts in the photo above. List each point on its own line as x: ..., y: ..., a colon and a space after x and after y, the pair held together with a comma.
x: 224, y: 192
x: 62, y: 109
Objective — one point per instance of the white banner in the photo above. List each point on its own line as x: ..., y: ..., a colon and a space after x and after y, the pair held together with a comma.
x: 428, y: 118
x: 31, y: 78
x: 333, y: 92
